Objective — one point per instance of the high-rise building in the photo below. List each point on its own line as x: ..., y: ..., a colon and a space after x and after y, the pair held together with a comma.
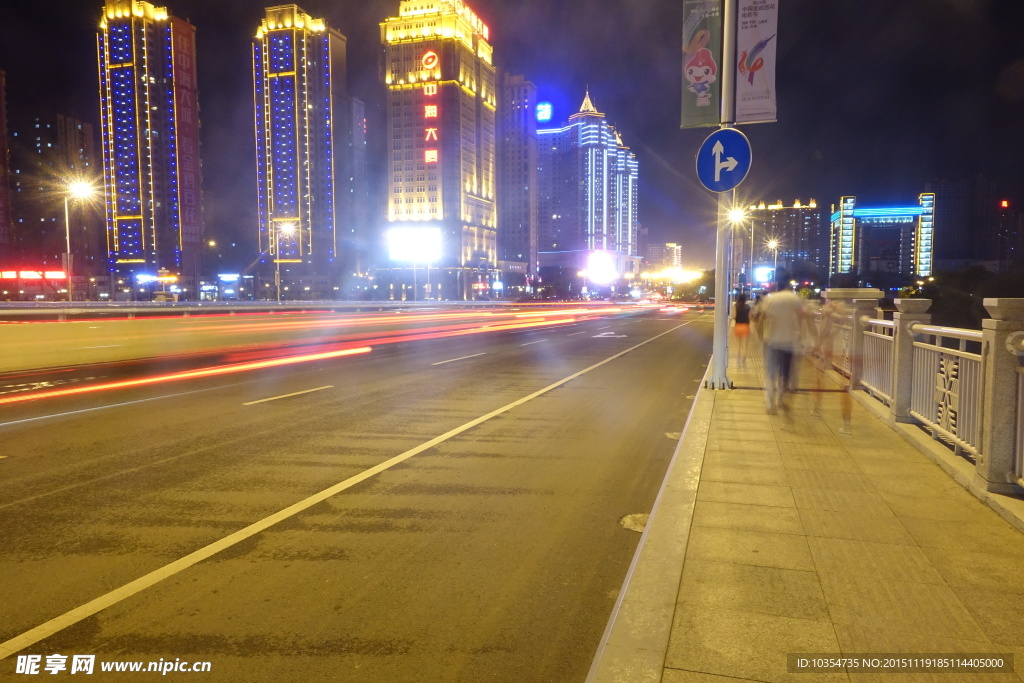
x: 872, y: 242
x: 968, y: 213
x: 517, y: 175
x: 441, y: 101
x: 149, y: 118
x: 306, y: 151
x: 588, y: 194
x: 47, y: 153
x: 664, y: 256
x: 6, y: 225
x: 791, y: 236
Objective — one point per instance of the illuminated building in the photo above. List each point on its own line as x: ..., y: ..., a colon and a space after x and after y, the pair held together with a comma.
x: 895, y: 240
x: 48, y: 152
x: 441, y: 101
x: 661, y: 256
x: 149, y: 120
x: 588, y: 193
x: 517, y: 175
x: 6, y: 225
x: 305, y: 149
x: 798, y: 230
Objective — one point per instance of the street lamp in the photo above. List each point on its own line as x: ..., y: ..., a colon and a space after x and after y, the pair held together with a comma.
x: 773, y: 244
x: 286, y: 229
x: 76, y: 189
x: 737, y: 216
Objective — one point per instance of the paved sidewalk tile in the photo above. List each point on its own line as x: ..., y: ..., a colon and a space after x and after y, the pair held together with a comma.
x: 807, y: 540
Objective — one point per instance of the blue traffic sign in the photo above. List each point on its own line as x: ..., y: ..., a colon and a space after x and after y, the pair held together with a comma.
x: 723, y: 160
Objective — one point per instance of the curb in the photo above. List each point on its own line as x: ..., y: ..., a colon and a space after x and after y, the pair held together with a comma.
x: 636, y: 639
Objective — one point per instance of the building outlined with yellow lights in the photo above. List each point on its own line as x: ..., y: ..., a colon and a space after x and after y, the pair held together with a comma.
x: 441, y: 100
x: 149, y: 118
x: 304, y: 145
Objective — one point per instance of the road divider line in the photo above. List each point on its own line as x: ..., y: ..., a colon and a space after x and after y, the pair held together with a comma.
x: 574, y: 334
x: 455, y: 359
x: 534, y: 342
x: 296, y: 393
x: 59, y: 623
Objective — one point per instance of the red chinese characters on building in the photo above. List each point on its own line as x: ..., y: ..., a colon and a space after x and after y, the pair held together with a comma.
x: 430, y: 110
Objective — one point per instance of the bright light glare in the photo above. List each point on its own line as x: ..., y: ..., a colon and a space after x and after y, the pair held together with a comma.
x: 414, y: 244
x: 80, y: 189
x: 737, y: 215
x: 601, y: 268
x: 763, y: 273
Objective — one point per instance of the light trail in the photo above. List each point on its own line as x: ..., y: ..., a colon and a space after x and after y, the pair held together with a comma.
x: 190, y: 374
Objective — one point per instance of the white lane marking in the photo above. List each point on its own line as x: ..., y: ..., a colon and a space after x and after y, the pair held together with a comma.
x: 442, y: 362
x: 47, y: 629
x: 604, y: 328
x: 534, y: 342
x: 118, y: 405
x: 609, y: 334
x: 297, y: 393
x: 574, y: 334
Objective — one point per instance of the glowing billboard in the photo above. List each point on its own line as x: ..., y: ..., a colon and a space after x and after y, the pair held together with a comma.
x: 414, y: 244
x: 601, y: 268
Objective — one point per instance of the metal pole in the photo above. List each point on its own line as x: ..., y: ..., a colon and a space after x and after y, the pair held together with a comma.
x: 277, y: 263
x: 67, y: 238
x: 750, y: 271
x: 720, y: 346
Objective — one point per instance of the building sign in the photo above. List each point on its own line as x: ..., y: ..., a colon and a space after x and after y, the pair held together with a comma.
x: 702, y: 60
x: 544, y: 112
x: 190, y: 219
x: 755, y: 61
x: 430, y: 60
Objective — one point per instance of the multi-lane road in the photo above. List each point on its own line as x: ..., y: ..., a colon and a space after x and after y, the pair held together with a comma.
x: 437, y: 508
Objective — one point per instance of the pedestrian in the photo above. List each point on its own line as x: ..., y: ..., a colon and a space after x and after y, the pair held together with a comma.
x: 782, y: 320
x: 832, y: 314
x: 741, y: 328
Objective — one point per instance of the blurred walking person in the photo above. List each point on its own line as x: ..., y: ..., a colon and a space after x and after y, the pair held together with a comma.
x: 831, y: 313
x: 741, y: 328
x: 781, y: 321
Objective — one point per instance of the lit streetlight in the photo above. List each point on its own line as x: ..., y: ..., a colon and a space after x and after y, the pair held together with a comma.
x: 286, y: 229
x: 76, y: 189
x: 737, y: 216
x: 773, y: 244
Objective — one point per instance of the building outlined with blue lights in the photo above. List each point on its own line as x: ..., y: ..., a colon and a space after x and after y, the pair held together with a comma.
x: 889, y: 239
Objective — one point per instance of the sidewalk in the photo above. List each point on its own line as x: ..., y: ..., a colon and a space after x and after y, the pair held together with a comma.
x: 775, y: 535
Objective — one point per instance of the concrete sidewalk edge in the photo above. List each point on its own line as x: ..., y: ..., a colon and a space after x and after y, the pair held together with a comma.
x: 635, y: 641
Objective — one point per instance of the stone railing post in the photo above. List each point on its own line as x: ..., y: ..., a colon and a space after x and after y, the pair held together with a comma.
x: 909, y: 312
x: 859, y: 302
x: 995, y: 462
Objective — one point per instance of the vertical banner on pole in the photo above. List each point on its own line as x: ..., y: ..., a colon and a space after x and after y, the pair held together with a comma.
x: 702, y: 62
x: 756, y: 31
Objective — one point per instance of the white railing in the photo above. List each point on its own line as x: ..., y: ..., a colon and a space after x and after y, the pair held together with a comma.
x: 946, y: 392
x: 966, y: 387
x: 878, y: 350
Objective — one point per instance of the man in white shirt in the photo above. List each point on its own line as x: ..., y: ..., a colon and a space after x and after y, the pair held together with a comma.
x: 782, y: 317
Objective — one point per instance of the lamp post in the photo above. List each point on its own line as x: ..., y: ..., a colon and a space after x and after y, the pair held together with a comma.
x: 737, y: 216
x: 773, y: 244
x: 76, y: 189
x: 286, y: 229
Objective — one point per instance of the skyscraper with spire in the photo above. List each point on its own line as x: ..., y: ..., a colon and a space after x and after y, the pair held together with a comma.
x: 150, y: 139
x: 441, y: 100
x: 588, y: 193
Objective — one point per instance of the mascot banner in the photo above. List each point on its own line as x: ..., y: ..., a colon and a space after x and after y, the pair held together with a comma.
x: 702, y: 60
x: 756, y: 26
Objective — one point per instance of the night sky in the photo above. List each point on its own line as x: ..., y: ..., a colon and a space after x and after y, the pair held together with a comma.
x: 875, y: 97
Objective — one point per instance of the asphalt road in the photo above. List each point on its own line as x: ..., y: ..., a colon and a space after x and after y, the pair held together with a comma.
x: 436, y: 510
